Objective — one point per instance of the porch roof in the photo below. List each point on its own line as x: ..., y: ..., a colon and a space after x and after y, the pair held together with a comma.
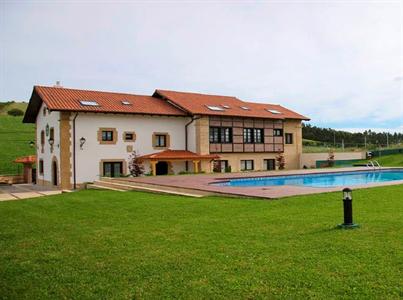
x: 30, y: 159
x: 178, y: 155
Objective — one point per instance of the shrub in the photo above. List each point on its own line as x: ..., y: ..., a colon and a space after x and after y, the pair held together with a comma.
x: 15, y: 112
x: 280, y: 161
x: 136, y: 167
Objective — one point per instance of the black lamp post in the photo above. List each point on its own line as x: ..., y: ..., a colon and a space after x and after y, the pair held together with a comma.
x: 348, y: 210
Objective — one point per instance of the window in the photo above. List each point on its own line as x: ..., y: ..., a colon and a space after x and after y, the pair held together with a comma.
x: 258, y: 135
x: 245, y: 108
x: 160, y: 140
x: 52, y: 134
x: 214, y: 134
x: 126, y: 103
x: 274, y: 111
x: 289, y: 138
x: 247, y: 165
x: 278, y: 132
x: 41, y: 166
x: 247, y: 135
x: 88, y: 103
x: 253, y: 135
x: 44, y: 111
x: 112, y: 169
x: 129, y: 136
x: 270, y: 164
x: 215, y: 108
x: 42, y: 138
x: 220, y: 135
x: 107, y: 136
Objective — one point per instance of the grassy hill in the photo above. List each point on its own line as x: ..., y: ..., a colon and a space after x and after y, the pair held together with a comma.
x: 14, y: 142
x: 6, y: 106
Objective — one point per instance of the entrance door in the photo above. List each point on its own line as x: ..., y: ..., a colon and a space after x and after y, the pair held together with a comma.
x: 54, y: 173
x: 113, y: 169
x: 270, y: 164
x: 162, y: 168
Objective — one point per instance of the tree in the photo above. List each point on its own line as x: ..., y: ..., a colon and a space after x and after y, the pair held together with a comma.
x: 15, y: 112
x: 136, y: 167
x: 330, y: 159
x: 280, y: 161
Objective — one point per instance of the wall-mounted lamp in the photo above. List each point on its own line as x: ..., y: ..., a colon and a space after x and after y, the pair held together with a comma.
x: 31, y: 144
x: 82, y: 142
x: 51, y: 141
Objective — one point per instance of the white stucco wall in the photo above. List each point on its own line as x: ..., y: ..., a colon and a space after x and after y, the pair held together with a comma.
x: 51, y: 119
x: 87, y: 125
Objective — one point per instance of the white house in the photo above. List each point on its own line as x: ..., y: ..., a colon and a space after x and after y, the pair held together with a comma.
x: 82, y: 135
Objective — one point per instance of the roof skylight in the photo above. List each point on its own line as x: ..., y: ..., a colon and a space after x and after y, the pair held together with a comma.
x: 124, y: 102
x: 245, y: 108
x: 273, y: 111
x: 215, y: 108
x: 225, y: 106
x: 88, y: 103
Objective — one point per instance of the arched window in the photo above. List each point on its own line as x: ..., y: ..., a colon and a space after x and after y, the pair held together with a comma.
x: 42, y: 140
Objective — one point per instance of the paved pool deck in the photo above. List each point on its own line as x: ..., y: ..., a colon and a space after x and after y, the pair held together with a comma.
x: 203, y: 182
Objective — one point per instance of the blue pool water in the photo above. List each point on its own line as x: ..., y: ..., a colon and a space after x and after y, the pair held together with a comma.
x: 320, y: 180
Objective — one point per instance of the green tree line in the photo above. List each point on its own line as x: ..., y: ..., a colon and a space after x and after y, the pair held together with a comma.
x: 368, y: 137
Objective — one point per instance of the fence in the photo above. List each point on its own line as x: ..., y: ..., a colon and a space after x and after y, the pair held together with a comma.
x: 377, y: 153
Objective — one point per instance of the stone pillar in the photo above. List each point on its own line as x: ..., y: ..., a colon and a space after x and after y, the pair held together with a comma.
x: 154, y: 167
x: 28, y: 173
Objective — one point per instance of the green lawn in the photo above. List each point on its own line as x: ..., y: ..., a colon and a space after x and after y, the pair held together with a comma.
x: 393, y: 160
x: 14, y: 142
x: 105, y: 244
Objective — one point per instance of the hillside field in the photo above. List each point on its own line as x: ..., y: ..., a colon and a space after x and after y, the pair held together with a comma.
x: 14, y: 142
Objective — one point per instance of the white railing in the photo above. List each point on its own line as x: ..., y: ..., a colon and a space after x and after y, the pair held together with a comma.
x: 374, y: 164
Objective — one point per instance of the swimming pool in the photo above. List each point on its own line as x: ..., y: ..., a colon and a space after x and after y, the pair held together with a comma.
x: 320, y: 180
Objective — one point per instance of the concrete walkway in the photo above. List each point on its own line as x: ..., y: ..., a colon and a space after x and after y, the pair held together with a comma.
x: 24, y: 191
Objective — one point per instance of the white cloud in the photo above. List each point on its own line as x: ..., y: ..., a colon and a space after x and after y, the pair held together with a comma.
x: 339, y: 63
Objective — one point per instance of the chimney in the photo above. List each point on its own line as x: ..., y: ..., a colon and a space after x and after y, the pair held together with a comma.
x: 58, y: 85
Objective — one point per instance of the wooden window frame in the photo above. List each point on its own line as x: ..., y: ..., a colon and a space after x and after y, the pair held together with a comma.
x: 245, y: 162
x: 220, y: 135
x: 289, y: 138
x: 114, y: 136
x: 129, y: 140
x: 167, y: 140
x: 277, y: 132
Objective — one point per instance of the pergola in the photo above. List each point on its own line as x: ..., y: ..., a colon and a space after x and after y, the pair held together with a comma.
x: 175, y: 156
x: 27, y: 161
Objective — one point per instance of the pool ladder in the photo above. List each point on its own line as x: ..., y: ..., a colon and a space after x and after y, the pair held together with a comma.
x: 374, y: 164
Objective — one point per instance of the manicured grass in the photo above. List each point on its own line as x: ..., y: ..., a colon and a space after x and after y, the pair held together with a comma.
x: 393, y: 160
x: 104, y: 244
x: 14, y: 142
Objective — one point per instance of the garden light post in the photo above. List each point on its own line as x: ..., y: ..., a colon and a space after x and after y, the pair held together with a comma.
x: 348, y: 210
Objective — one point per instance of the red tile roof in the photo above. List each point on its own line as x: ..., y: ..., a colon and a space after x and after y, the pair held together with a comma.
x: 198, y: 104
x: 178, y: 154
x: 162, y: 102
x: 57, y: 98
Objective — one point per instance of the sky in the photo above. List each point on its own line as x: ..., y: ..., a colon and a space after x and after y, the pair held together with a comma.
x: 338, y: 62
